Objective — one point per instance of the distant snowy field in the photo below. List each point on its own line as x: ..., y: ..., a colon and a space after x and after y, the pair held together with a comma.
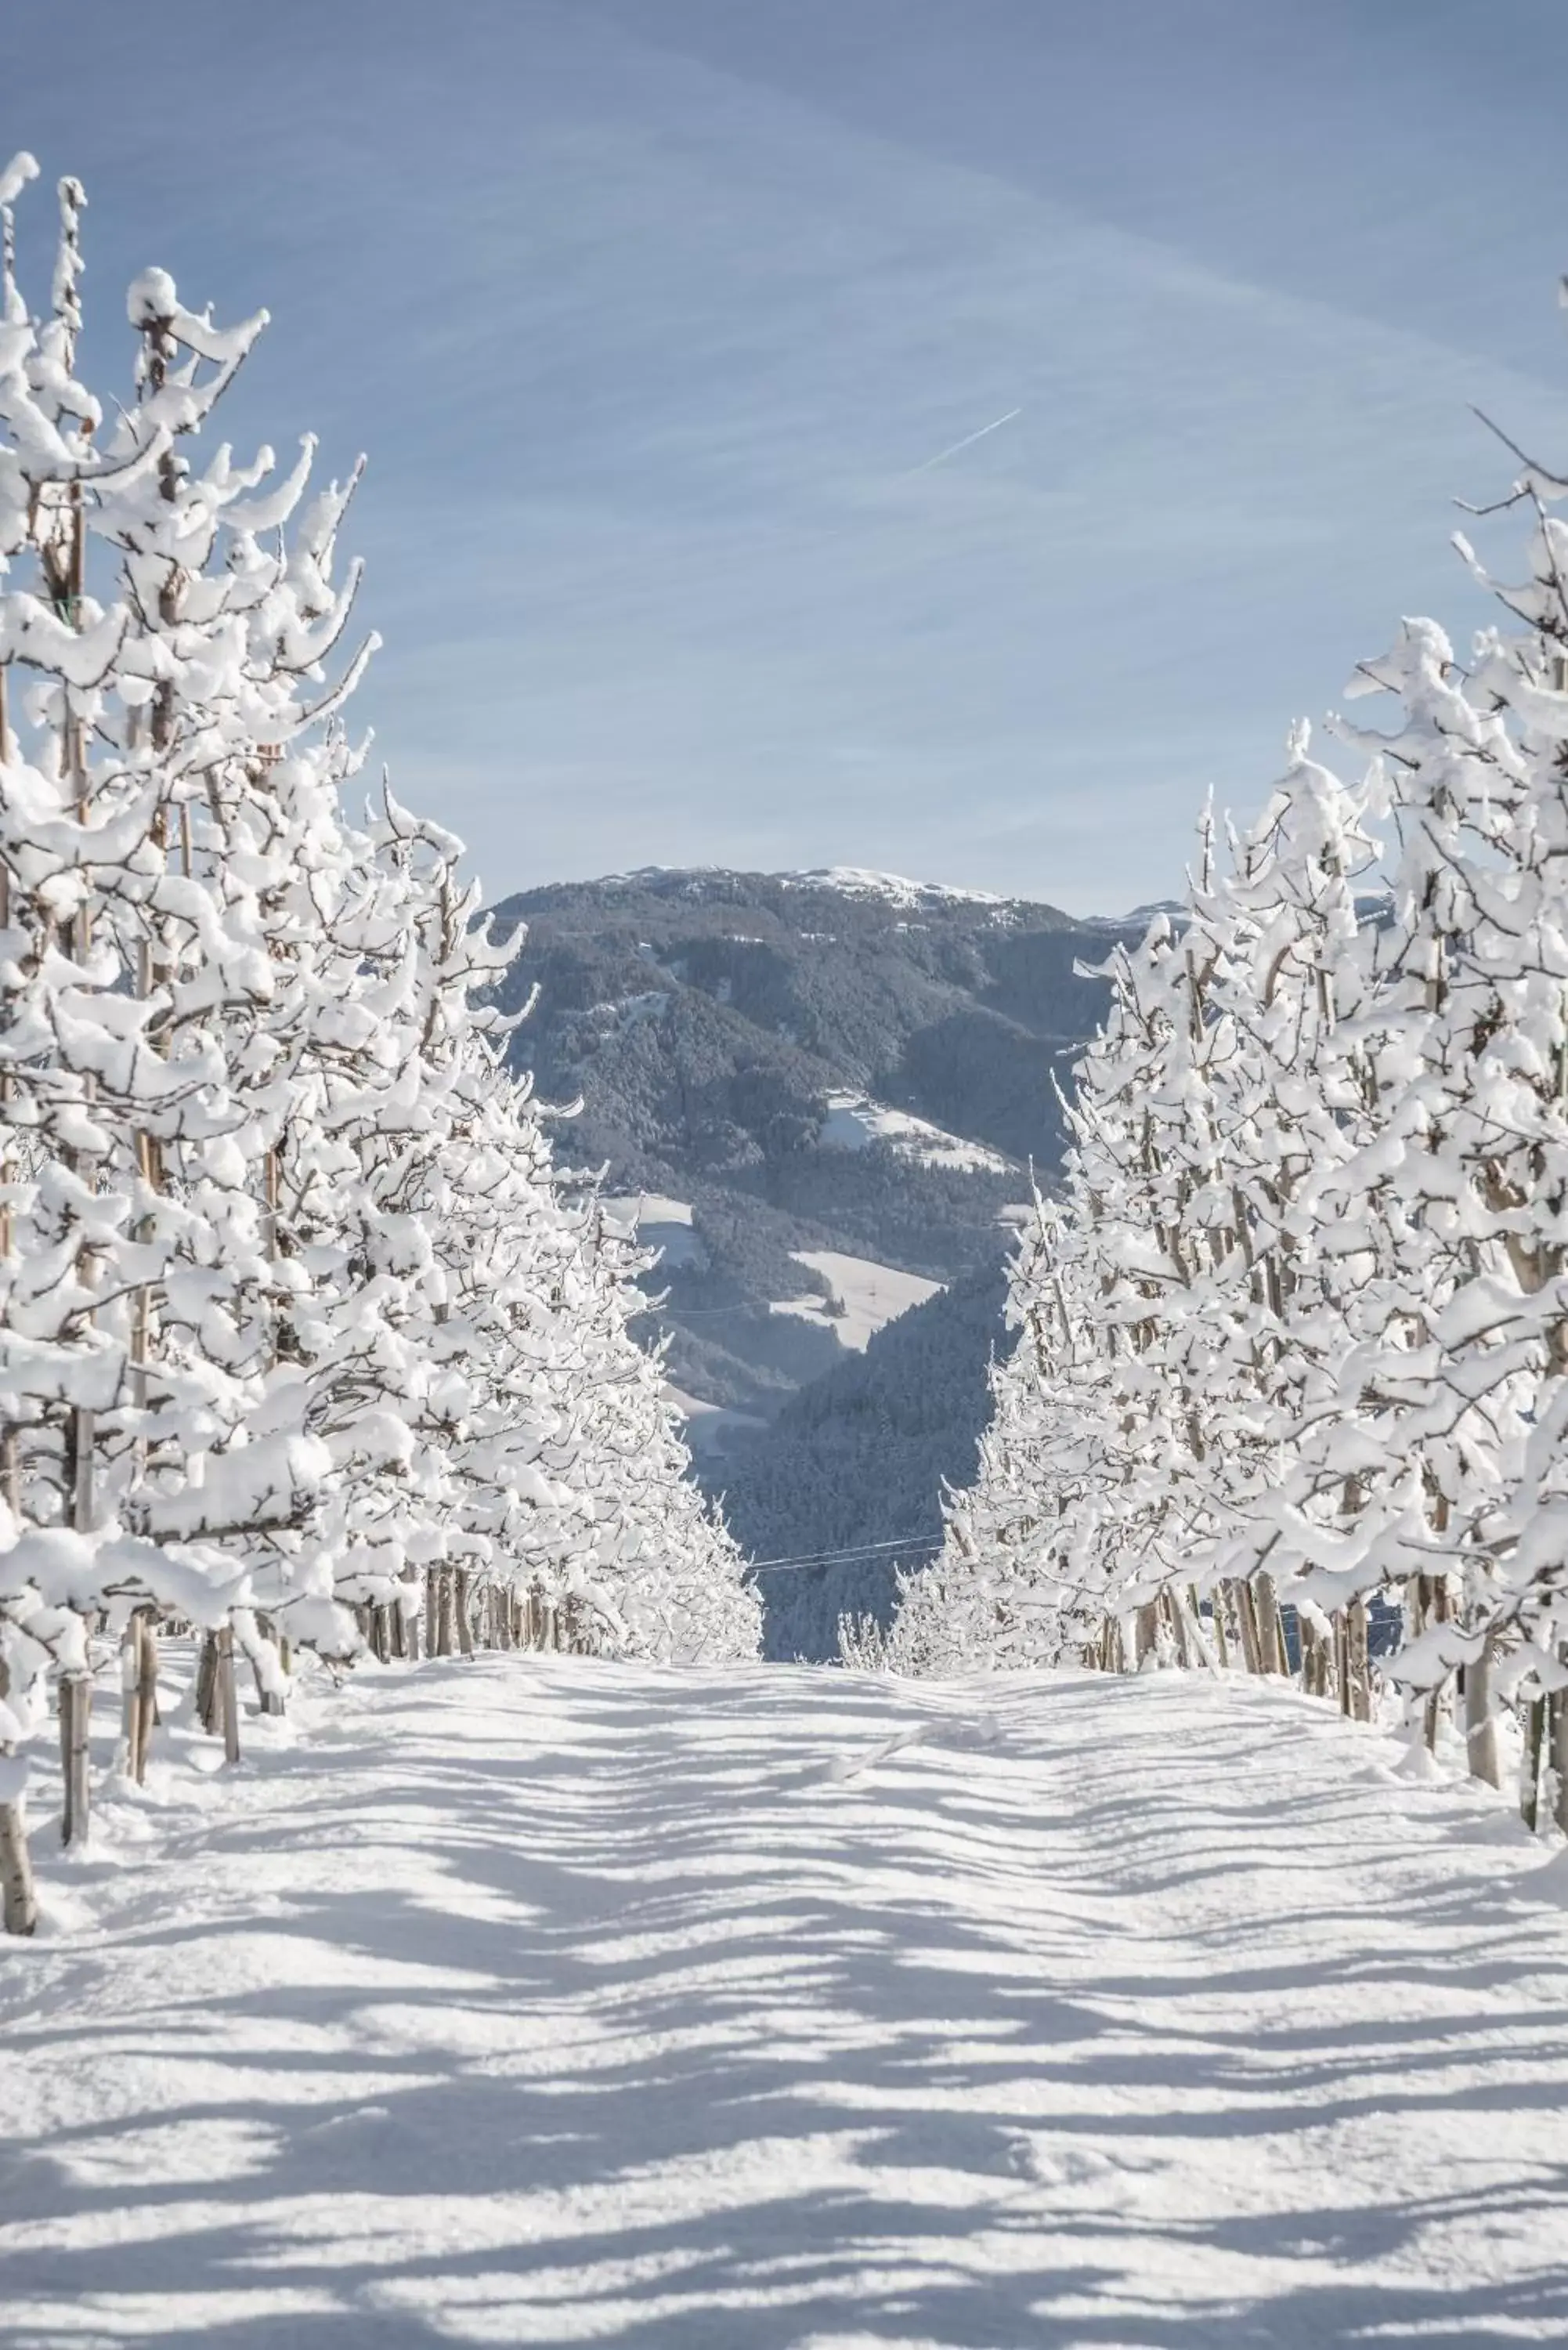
x: 520, y: 2001
x: 855, y: 1123
x: 862, y: 1295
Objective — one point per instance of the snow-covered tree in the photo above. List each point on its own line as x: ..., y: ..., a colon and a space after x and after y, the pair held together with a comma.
x: 302, y: 1339
x: 1315, y: 1215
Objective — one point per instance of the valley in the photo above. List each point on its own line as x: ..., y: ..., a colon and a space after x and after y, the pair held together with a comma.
x: 820, y: 1097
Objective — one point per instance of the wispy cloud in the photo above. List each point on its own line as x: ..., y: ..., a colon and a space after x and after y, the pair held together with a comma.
x: 642, y: 348
x: 958, y: 447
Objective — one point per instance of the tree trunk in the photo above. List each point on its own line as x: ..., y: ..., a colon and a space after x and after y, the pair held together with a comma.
x: 1342, y: 1661
x: 1216, y: 1618
x: 1481, y: 1721
x: 228, y: 1696
x: 1273, y: 1658
x: 1146, y: 1633
x: 1530, y: 1763
x: 18, y: 1902
x: 18, y: 1905
x: 76, y: 1722
x: 146, y: 1692
x: 207, y: 1682
x: 464, y: 1630
x: 1558, y: 1717
x: 130, y: 1694
x: 268, y: 1699
x: 1435, y: 1610
x: 1247, y: 1618
x: 1359, y: 1659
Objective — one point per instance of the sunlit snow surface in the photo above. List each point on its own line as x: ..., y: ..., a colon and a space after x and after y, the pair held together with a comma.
x: 546, y: 2003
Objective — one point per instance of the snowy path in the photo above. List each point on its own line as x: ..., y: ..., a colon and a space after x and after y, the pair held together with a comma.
x: 533, y: 2002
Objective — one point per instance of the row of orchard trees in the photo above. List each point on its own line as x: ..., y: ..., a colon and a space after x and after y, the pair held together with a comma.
x: 303, y: 1341
x: 1293, y: 1352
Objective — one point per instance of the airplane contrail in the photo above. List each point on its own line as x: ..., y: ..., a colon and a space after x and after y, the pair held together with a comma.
x: 967, y: 443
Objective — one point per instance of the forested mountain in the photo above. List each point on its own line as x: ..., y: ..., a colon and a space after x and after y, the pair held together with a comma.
x: 843, y: 1487
x: 822, y: 1094
x: 807, y: 1062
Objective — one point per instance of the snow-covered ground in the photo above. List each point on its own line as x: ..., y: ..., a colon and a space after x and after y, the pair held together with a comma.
x: 855, y: 1123
x: 528, y: 2002
x: 862, y: 1296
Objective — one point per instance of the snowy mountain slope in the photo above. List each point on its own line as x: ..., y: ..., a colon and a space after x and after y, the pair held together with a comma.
x: 530, y: 2003
x: 832, y: 1061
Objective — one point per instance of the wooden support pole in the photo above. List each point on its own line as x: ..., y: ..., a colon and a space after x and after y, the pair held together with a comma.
x: 207, y: 1682
x: 75, y: 1725
x: 146, y: 1694
x: 1530, y: 1763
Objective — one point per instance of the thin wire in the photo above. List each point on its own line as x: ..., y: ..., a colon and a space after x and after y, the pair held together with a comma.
x: 853, y: 1550
x: 838, y: 1557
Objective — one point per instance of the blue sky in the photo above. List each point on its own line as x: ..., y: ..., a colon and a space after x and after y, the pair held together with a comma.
x: 651, y: 314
